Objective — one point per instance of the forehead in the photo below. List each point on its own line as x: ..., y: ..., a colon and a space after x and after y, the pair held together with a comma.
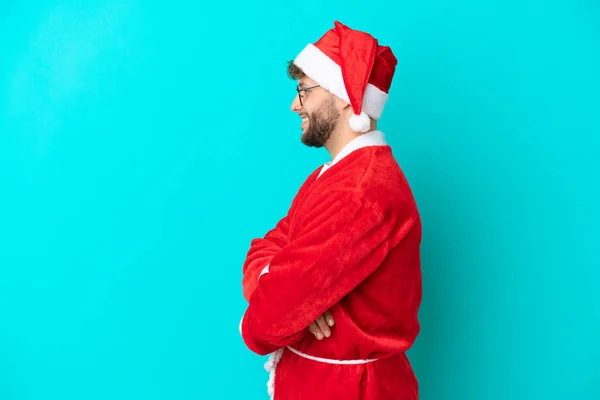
x: 306, y: 82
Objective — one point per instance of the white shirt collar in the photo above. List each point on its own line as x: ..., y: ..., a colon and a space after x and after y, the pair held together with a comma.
x: 372, y: 138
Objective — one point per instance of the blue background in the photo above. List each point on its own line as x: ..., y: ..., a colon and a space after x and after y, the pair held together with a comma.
x: 143, y: 144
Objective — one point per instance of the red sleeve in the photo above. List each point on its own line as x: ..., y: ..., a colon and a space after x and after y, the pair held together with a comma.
x: 263, y: 249
x: 345, y: 237
x: 260, y: 254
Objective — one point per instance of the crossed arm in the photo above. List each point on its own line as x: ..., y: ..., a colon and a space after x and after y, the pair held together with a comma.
x: 257, y: 264
x: 343, y: 241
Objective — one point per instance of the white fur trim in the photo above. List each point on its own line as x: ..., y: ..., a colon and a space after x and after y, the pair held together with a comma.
x: 360, y: 123
x: 323, y: 70
x: 373, y: 138
x: 374, y: 101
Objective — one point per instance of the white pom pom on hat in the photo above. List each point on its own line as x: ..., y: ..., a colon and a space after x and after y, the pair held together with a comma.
x: 360, y: 123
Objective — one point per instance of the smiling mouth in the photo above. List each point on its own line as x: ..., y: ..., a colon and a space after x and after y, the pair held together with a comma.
x: 304, y: 121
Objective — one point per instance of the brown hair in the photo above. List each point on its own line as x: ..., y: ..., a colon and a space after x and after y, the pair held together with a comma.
x: 294, y: 72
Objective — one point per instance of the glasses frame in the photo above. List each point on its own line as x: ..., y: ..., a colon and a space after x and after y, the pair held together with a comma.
x: 304, y: 90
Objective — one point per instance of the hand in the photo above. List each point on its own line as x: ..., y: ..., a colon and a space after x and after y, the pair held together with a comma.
x: 320, y: 328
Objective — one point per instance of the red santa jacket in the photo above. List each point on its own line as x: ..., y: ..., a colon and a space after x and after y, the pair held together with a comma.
x: 350, y: 243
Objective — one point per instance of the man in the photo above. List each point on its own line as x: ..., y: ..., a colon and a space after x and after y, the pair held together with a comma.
x: 334, y: 288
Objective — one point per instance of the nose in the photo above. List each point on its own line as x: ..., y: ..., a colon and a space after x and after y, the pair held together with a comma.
x: 295, y: 107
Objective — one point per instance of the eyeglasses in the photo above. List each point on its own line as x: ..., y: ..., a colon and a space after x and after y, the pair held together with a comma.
x: 304, y: 90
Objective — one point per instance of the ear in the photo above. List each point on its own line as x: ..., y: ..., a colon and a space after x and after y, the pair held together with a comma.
x: 341, y: 104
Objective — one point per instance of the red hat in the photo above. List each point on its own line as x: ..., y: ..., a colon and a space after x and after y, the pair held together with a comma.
x: 351, y: 65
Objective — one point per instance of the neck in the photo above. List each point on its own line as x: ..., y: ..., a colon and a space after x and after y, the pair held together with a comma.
x: 343, y: 135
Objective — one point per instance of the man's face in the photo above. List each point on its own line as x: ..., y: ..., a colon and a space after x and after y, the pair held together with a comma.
x: 318, y: 113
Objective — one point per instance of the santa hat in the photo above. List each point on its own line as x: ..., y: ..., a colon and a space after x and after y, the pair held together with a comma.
x: 351, y: 65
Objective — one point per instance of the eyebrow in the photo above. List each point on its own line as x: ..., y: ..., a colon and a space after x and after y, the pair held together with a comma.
x: 301, y: 84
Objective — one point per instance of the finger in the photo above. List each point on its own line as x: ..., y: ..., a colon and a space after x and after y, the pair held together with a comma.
x: 329, y: 317
x: 314, y: 329
x: 323, y: 326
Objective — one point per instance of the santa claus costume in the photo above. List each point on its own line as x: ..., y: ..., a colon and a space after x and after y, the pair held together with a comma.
x: 350, y: 244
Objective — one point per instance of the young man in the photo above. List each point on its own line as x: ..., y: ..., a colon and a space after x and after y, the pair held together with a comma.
x: 348, y: 251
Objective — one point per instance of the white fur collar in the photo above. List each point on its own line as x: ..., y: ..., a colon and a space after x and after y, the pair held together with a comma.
x: 373, y: 138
